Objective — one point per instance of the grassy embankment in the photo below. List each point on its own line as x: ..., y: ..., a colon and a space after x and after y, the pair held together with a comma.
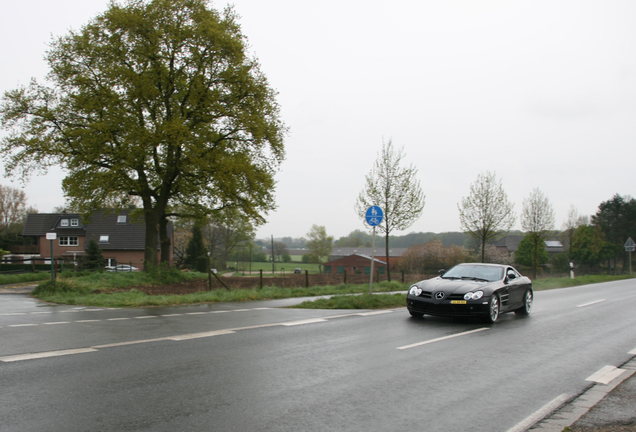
x: 80, y: 290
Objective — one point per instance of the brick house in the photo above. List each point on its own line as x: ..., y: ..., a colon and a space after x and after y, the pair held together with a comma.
x: 121, y: 240
x: 354, y: 264
x: 394, y: 253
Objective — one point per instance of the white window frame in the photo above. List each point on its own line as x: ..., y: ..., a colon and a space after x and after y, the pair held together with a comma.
x: 74, y: 222
x: 121, y: 219
x: 64, y: 222
x: 68, y: 241
x: 104, y: 238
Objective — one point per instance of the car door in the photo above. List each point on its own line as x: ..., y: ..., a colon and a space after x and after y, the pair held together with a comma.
x: 516, y: 287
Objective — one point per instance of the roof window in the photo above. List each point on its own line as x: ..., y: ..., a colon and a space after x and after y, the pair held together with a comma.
x: 64, y: 222
x: 121, y: 219
x: 103, y: 239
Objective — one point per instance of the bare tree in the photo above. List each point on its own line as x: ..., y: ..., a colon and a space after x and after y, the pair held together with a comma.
x: 319, y: 243
x: 486, y: 214
x: 396, y: 190
x: 537, y: 219
x: 13, y: 206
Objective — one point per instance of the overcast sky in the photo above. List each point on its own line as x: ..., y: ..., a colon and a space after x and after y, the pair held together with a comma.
x: 541, y: 92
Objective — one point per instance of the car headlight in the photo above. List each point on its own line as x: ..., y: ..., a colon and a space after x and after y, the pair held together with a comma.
x: 473, y: 295
x: 415, y: 290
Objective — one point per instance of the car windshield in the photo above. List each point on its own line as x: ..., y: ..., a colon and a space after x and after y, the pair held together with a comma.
x: 476, y: 272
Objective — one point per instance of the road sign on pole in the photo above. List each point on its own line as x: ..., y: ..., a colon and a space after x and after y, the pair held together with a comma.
x: 373, y: 217
x: 630, y: 246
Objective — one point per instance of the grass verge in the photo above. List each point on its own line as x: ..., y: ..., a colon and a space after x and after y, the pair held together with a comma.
x: 85, y: 290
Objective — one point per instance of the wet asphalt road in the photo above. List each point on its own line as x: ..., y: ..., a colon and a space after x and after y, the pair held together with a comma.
x: 257, y: 367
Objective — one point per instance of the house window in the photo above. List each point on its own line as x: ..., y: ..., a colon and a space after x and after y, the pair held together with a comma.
x: 327, y: 269
x: 68, y: 241
x: 121, y: 219
x: 340, y: 269
x: 64, y: 222
x: 103, y: 239
x: 74, y: 222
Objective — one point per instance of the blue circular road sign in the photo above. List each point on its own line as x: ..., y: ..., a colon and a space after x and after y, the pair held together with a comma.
x: 374, y: 216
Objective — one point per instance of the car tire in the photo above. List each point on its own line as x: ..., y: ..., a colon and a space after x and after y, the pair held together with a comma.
x: 528, y: 298
x: 416, y: 314
x: 494, y: 306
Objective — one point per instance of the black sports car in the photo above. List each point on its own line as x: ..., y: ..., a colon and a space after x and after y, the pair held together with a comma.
x: 485, y: 290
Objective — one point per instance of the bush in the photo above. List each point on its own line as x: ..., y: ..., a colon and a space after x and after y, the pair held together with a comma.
x: 54, y: 287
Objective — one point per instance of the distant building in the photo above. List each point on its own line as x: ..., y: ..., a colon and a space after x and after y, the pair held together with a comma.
x: 354, y: 264
x: 380, y: 253
x: 510, y: 244
x: 121, y: 240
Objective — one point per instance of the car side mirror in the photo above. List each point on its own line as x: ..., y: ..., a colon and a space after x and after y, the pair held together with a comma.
x: 441, y: 272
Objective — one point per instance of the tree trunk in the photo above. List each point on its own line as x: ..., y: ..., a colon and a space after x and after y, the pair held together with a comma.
x: 151, y: 216
x: 166, y: 241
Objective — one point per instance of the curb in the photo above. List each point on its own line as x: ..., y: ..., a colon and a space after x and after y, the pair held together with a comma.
x: 570, y: 412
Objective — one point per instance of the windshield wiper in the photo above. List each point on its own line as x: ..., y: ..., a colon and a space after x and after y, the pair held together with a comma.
x: 475, y: 278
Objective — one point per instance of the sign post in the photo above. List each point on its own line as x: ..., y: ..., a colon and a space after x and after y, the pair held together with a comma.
x: 373, y: 217
x: 52, y: 236
x: 630, y: 246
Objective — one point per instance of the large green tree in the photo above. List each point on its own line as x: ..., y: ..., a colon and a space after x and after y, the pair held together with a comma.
x: 396, y: 189
x: 617, y: 219
x: 532, y: 252
x: 155, y: 100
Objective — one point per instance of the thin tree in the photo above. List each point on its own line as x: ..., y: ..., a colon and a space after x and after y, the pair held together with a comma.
x: 13, y: 206
x: 537, y: 220
x: 396, y: 189
x: 486, y: 214
x: 156, y: 100
x: 319, y: 244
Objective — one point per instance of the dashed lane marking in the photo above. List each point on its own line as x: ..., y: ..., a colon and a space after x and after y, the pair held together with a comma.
x: 591, y: 303
x: 175, y: 338
x: 442, y: 338
x: 32, y: 356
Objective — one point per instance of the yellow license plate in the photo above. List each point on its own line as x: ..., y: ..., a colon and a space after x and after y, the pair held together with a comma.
x: 458, y: 301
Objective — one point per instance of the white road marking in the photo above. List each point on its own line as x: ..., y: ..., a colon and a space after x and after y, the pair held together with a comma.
x: 199, y: 335
x: 540, y: 414
x: 301, y: 322
x: 605, y: 375
x: 591, y: 303
x: 375, y: 313
x: 83, y: 321
x: 21, y: 357
x: 196, y: 313
x: 12, y: 314
x: 58, y: 322
x: 442, y: 338
x: 172, y: 315
x: 632, y: 352
x: 22, y: 325
x: 176, y: 338
x: 116, y: 319
x: 146, y: 316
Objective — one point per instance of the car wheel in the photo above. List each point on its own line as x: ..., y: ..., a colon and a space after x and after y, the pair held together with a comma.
x: 528, y: 297
x: 493, y: 309
x: 416, y: 314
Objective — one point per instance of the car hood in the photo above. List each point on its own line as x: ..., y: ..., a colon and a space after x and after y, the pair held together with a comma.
x: 452, y: 286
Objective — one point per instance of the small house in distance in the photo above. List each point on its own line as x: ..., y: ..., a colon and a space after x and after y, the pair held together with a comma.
x: 354, y: 264
x: 394, y: 253
x: 121, y: 240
